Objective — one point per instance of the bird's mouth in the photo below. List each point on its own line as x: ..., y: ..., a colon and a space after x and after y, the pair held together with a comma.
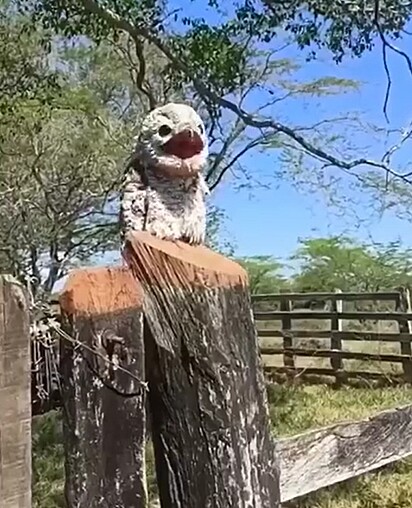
x: 185, y: 145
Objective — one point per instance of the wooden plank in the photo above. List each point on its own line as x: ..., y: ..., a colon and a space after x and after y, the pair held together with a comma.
x: 347, y: 296
x: 326, y: 334
x: 309, y: 314
x: 329, y: 353
x: 335, y: 341
x: 15, y: 394
x: 319, y: 371
x: 288, y: 358
x: 210, y: 423
x: 324, y: 457
x: 404, y: 305
x: 103, y: 388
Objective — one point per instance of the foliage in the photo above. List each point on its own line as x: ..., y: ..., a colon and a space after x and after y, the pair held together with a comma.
x: 264, y: 274
x: 48, y: 461
x: 61, y: 163
x: 215, y: 233
x: 227, y: 63
x: 343, y: 27
x: 58, y: 171
x: 220, y: 49
x: 327, y: 264
x: 24, y: 73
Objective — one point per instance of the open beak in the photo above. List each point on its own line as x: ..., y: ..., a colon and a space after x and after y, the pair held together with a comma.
x: 185, y: 144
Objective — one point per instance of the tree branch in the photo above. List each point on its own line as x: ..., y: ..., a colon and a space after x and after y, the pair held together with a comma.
x: 136, y: 32
x: 385, y: 45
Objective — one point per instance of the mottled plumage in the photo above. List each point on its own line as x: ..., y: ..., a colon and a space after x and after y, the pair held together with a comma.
x: 164, y: 189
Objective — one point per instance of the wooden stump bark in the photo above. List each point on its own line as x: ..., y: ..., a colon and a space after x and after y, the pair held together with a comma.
x: 207, y: 395
x: 15, y: 390
x: 102, y: 364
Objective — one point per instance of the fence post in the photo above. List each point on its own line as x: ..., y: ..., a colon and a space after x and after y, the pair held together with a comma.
x: 15, y: 391
x: 207, y: 395
x: 288, y: 357
x: 404, y: 305
x: 335, y: 341
x: 102, y: 365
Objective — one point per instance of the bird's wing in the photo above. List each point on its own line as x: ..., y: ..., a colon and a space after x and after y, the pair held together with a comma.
x: 133, y: 202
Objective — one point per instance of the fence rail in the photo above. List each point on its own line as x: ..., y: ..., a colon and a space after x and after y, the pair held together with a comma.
x: 348, y: 296
x: 324, y: 457
x: 326, y: 334
x: 280, y: 317
x: 314, y: 314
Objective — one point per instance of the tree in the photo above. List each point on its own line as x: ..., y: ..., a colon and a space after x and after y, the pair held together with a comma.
x: 61, y: 165
x: 327, y: 264
x: 223, y: 67
x: 215, y: 237
x: 24, y: 73
x: 213, y: 59
x: 130, y: 57
x: 62, y: 162
x: 264, y: 274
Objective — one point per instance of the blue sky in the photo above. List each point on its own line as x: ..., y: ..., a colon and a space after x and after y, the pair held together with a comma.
x: 272, y: 221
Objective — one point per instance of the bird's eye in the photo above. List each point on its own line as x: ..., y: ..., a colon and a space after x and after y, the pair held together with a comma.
x: 201, y: 128
x: 164, y: 130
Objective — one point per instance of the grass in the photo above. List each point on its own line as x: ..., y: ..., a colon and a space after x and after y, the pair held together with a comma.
x: 48, y: 461
x: 293, y: 409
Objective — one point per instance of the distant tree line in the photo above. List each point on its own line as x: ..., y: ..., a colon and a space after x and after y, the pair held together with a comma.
x: 328, y: 264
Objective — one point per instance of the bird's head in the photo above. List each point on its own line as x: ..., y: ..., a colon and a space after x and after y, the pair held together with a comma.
x: 173, y: 141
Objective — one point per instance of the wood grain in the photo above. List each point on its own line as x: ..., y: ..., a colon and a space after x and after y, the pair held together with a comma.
x: 404, y: 305
x: 15, y: 390
x: 207, y: 396
x: 327, y: 456
x: 102, y: 364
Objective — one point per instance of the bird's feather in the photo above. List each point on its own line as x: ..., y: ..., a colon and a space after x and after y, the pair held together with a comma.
x: 161, y: 193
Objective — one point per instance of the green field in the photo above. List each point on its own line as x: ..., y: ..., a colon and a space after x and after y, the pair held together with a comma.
x: 293, y: 409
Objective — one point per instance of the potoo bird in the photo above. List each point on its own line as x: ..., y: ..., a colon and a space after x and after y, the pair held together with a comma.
x: 164, y: 188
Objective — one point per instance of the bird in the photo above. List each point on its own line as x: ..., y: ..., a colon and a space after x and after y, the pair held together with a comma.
x: 164, y: 189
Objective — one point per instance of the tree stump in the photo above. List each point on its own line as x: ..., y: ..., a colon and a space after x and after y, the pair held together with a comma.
x: 207, y: 395
x: 102, y: 364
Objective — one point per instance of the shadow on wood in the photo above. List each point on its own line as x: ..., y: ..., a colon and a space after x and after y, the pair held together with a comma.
x: 206, y: 389
x: 102, y: 363
x: 15, y: 410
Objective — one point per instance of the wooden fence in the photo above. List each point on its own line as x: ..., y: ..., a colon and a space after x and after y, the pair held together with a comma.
x: 375, y: 338
x: 308, y: 461
x: 384, y: 356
